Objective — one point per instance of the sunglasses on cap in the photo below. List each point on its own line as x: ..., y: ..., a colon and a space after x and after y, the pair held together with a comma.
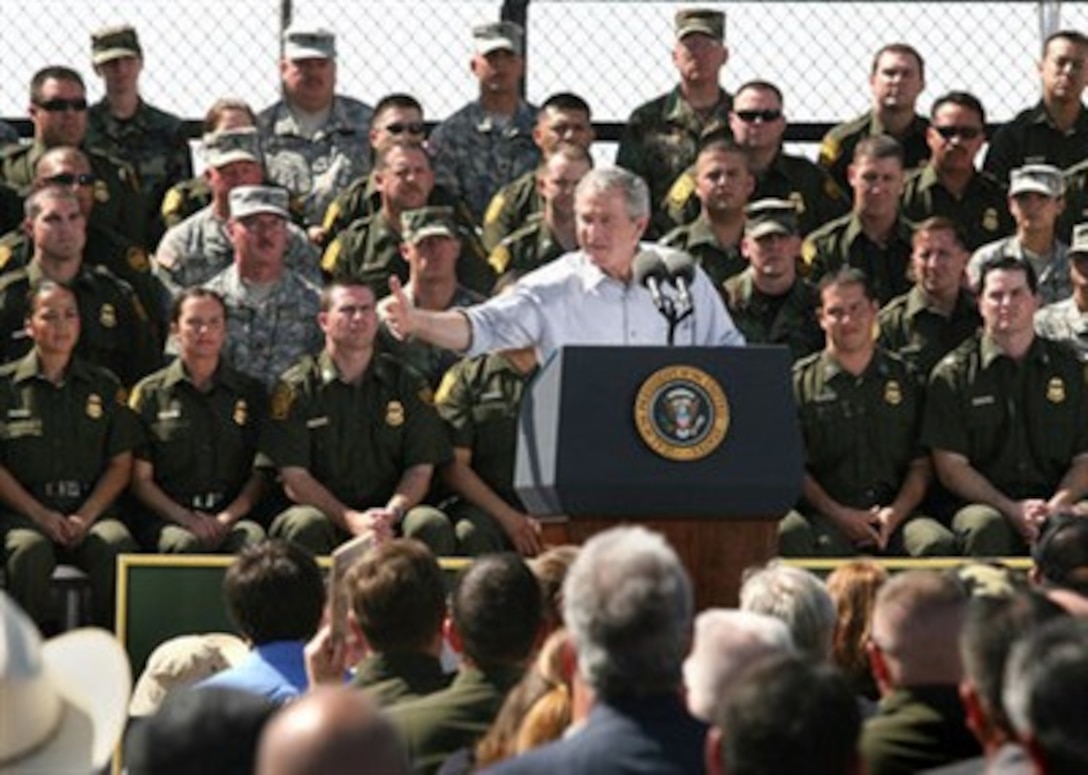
x: 398, y: 128
x: 71, y: 179
x: 751, y: 116
x: 962, y: 132
x: 59, y: 105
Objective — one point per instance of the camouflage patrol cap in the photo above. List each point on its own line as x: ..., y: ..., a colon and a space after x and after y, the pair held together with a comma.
x: 114, y: 43
x: 770, y: 216
x: 254, y: 200
x: 231, y: 145
x: 1042, y: 179
x: 1079, y: 244
x: 498, y: 36
x: 308, y: 42
x: 700, y: 20
x: 417, y: 225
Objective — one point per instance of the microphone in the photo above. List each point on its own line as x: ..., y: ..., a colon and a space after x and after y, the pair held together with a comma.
x: 650, y: 272
x: 681, y: 269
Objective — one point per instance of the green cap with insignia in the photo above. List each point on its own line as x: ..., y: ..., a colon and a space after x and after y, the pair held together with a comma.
x: 114, y: 43
x: 231, y: 145
x: 1079, y: 244
x: 254, y: 200
x: 417, y: 225
x: 498, y: 36
x: 770, y: 216
x: 302, y: 41
x: 703, y: 21
x: 1042, y: 179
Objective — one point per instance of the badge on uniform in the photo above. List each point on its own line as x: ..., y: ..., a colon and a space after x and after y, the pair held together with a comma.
x: 101, y: 191
x: 94, y: 406
x: 989, y: 219
x: 241, y: 412
x: 394, y: 414
x: 798, y: 202
x: 893, y: 393
x: 107, y: 316
x: 282, y: 398
x: 1055, y: 390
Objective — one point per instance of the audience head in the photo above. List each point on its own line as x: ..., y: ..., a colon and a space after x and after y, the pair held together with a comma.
x: 550, y: 568
x: 727, y: 642
x: 628, y: 604
x: 799, y: 599
x: 496, y: 611
x: 1061, y: 554
x: 274, y: 591
x: 180, y: 662
x: 853, y: 587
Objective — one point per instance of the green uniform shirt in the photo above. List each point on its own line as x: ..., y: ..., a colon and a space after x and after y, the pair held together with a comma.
x: 661, y: 139
x: 201, y: 444
x: 698, y: 239
x: 356, y: 440
x: 114, y: 328
x: 118, y: 203
x: 982, y: 212
x: 1032, y: 138
x: 843, y: 242
x: 920, y: 335
x: 917, y: 729
x: 528, y: 248
x: 511, y: 208
x: 57, y: 440
x: 788, y: 320
x: 837, y: 147
x: 860, y: 433
x: 392, y: 676
x: 1019, y: 424
x: 480, y: 401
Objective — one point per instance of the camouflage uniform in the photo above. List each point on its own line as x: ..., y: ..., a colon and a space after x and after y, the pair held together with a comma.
x: 369, y: 250
x: 527, y: 248
x: 199, y: 248
x: 662, y: 138
x: 697, y: 239
x: 815, y: 195
x: 118, y: 203
x: 475, y: 156
x: 1051, y: 270
x: 1064, y: 322
x: 114, y: 329
x: 789, y: 319
x: 511, y: 208
x: 843, y: 242
x: 837, y: 147
x: 921, y: 336
x: 982, y: 212
x: 266, y: 336
x: 318, y: 168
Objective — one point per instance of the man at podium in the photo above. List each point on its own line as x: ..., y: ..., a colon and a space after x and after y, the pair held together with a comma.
x: 613, y: 290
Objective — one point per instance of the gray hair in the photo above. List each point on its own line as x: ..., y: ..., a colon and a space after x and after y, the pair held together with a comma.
x: 636, y: 194
x: 799, y: 599
x: 728, y: 641
x: 628, y: 604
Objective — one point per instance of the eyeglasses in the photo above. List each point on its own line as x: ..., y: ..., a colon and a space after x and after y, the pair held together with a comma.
x: 397, y: 128
x: 751, y: 116
x: 962, y: 132
x: 71, y: 179
x: 59, y: 105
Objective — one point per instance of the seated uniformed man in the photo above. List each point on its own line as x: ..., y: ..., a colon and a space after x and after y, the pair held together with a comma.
x: 1067, y: 321
x: 271, y: 308
x: 949, y: 185
x: 768, y: 301
x: 1007, y: 420
x: 551, y: 232
x: 931, y: 319
x: 860, y: 409
x: 874, y: 237
x: 723, y: 184
x: 897, y: 77
x: 564, y: 118
x: 354, y: 437
x: 432, y: 251
x: 200, y: 247
x: 370, y: 248
x: 1036, y: 201
x: 58, y: 110
x: 116, y: 332
x: 193, y: 477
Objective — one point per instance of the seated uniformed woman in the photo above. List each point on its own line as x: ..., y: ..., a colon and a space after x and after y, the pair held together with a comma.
x: 193, y: 479
x: 66, y: 440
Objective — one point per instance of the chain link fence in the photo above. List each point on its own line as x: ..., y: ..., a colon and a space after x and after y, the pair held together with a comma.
x: 616, y: 54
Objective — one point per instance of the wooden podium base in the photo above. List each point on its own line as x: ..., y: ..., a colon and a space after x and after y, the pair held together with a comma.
x: 715, y: 551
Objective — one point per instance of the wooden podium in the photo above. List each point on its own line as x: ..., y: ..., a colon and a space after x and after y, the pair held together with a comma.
x: 700, y: 444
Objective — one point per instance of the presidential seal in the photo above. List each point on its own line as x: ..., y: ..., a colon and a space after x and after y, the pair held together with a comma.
x: 681, y: 413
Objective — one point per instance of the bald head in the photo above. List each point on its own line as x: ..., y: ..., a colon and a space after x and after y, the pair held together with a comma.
x: 331, y: 731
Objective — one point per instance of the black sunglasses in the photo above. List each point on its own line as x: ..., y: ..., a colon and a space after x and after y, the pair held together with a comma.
x: 59, y: 105
x: 71, y: 179
x: 398, y: 128
x: 963, y: 132
x: 766, y: 116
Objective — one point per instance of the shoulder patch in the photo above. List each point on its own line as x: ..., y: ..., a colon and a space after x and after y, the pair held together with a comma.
x: 5, y: 256
x: 499, y: 259
x: 331, y: 256
x: 808, y: 255
x: 135, y: 398
x: 682, y: 189
x: 331, y: 214
x: 830, y: 150
x: 494, y: 209
x: 445, y: 387
x: 283, y: 397
x: 172, y: 202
